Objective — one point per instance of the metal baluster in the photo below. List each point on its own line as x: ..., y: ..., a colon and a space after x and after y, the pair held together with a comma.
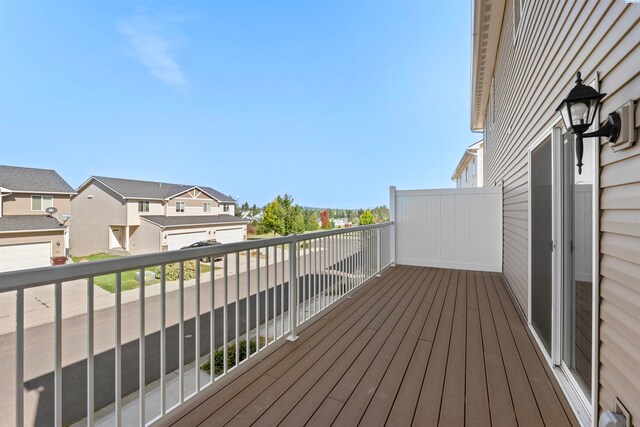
x: 163, y: 340
x: 305, y: 280
x: 58, y: 356
x: 266, y: 298
x: 90, y: 351
x: 141, y: 353
x: 282, y: 292
x: 237, y: 310
x: 225, y: 324
x: 197, y: 320
x: 275, y: 293
x: 19, y: 357
x: 293, y: 290
x: 118, y: 351
x: 258, y: 252
x: 181, y: 332
x: 247, y: 306
x: 212, y: 319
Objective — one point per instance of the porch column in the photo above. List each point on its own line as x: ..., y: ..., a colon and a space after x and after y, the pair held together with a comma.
x: 126, y: 238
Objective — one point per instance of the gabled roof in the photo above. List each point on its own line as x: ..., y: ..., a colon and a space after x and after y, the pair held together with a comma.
x: 469, y: 154
x: 178, y: 221
x: 136, y: 189
x: 29, y: 223
x: 31, y: 180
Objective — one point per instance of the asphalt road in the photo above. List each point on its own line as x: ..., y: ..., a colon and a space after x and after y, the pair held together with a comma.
x: 39, y: 343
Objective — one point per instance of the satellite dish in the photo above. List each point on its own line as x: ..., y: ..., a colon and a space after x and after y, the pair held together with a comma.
x: 65, y: 217
x: 51, y: 210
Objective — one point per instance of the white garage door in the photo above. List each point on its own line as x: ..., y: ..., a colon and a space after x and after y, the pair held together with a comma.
x: 19, y: 257
x: 180, y: 240
x: 230, y: 235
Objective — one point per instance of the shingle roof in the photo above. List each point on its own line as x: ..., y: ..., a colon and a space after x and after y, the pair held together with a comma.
x: 29, y: 223
x: 17, y: 179
x: 131, y: 188
x: 174, y: 221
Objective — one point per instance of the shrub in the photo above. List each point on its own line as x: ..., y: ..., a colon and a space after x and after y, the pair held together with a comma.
x: 172, y: 271
x: 252, y: 229
x: 218, y: 355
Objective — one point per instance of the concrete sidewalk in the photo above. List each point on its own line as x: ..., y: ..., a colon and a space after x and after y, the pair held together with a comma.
x: 39, y: 308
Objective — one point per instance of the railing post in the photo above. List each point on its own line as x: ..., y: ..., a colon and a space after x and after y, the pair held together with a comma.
x: 293, y: 290
x: 378, y: 250
x: 392, y: 230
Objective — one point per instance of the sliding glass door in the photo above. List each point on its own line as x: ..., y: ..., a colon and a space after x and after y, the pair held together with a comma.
x: 577, y: 263
x: 541, y: 220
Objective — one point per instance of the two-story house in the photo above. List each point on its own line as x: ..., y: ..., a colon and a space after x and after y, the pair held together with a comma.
x: 29, y: 235
x: 469, y: 172
x: 125, y: 216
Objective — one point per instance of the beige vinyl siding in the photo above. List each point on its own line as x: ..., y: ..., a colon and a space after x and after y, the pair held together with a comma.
x: 133, y: 216
x: 145, y: 238
x: 620, y: 278
x: 532, y: 76
x: 20, y: 204
x: 89, y: 227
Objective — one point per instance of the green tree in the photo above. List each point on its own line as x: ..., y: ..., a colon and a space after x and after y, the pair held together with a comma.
x: 311, y: 221
x: 273, y: 220
x: 367, y: 218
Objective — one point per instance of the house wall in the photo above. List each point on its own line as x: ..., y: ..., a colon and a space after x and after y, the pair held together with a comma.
x: 133, y: 216
x: 89, y: 227
x: 194, y: 204
x: 144, y: 238
x: 20, y: 204
x: 532, y: 75
x: 23, y: 238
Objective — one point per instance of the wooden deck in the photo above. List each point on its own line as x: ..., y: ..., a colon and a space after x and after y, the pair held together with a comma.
x: 417, y: 346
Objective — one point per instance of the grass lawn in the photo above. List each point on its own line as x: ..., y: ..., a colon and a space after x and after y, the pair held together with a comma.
x: 108, y: 281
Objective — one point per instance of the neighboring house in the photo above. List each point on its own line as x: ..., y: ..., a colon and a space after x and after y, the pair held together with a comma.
x: 469, y: 172
x: 29, y: 236
x: 125, y: 216
x: 571, y: 238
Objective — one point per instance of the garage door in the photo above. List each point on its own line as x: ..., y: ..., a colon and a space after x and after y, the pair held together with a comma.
x: 19, y: 257
x: 230, y: 235
x: 180, y: 240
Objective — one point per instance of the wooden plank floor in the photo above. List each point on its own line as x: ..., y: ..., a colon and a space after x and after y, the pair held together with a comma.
x: 418, y: 346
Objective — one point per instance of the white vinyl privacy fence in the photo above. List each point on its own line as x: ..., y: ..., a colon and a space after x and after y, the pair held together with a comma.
x: 448, y: 228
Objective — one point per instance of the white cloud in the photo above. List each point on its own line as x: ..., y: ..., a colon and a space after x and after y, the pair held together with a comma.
x: 151, y: 44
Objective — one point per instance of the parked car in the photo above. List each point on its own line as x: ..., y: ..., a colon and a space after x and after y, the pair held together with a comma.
x: 212, y: 242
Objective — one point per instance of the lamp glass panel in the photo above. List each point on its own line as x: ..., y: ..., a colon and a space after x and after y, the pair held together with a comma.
x: 593, y: 106
x: 564, y: 112
x: 579, y: 113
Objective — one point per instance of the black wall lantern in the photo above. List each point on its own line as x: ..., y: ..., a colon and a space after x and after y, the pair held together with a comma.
x: 578, y: 111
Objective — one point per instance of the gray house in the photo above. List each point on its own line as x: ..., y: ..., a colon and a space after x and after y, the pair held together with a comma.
x: 29, y: 236
x: 124, y: 216
x: 571, y: 234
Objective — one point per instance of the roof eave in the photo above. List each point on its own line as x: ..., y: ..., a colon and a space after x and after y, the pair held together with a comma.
x: 485, y: 13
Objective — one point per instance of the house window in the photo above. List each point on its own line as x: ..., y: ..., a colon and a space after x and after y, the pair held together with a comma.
x: 40, y: 203
x: 143, y: 206
x: 473, y: 167
x: 207, y: 207
x: 466, y: 174
x: 179, y: 206
x: 225, y: 208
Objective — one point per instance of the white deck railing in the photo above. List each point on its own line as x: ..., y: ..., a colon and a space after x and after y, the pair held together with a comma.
x: 243, y: 297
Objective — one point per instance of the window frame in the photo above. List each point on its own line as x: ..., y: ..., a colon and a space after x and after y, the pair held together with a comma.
x: 182, y: 207
x: 206, y: 207
x: 142, y: 204
x: 42, y: 199
x: 225, y: 207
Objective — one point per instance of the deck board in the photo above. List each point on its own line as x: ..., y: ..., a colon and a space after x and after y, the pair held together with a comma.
x: 417, y: 346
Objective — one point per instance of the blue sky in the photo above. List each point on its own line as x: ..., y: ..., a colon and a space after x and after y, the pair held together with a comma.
x: 330, y: 101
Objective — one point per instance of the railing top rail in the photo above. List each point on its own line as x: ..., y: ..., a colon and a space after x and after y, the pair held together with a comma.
x: 23, y: 279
